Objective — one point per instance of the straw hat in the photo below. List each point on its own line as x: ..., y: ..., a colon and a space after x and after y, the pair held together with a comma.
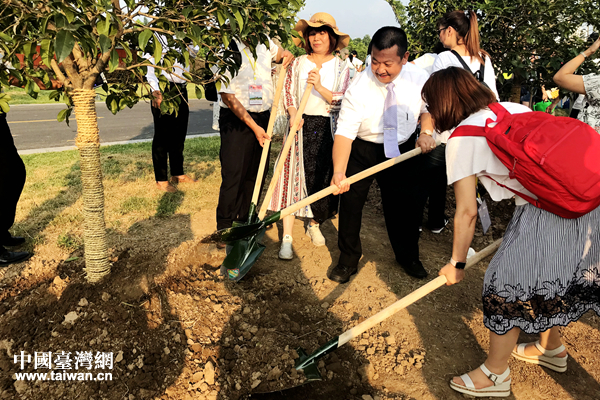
x: 317, y: 20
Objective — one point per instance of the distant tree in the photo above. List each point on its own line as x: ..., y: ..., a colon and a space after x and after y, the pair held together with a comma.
x: 527, y: 40
x: 75, y: 41
x: 360, y: 46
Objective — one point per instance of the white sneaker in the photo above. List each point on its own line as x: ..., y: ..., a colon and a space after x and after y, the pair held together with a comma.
x: 285, y: 251
x: 315, y: 235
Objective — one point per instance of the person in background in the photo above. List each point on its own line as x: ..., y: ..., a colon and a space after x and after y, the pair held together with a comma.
x: 588, y: 85
x: 244, y: 116
x: 12, y: 179
x: 308, y: 167
x: 545, y: 273
x: 459, y: 32
x: 427, y: 60
x: 356, y: 61
x: 170, y: 130
x: 378, y: 121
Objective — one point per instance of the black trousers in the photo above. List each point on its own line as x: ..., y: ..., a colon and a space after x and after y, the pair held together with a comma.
x: 12, y: 179
x: 434, y: 184
x: 240, y: 158
x: 400, y: 195
x: 169, y: 139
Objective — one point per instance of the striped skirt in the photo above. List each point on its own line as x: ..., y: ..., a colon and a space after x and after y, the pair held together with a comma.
x: 546, y: 272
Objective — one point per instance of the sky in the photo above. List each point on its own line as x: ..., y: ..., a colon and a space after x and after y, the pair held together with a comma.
x: 357, y: 18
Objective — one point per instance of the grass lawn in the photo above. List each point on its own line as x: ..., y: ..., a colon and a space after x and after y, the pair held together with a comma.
x: 49, y: 213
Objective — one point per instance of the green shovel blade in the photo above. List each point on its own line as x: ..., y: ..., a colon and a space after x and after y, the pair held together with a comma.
x: 242, y: 256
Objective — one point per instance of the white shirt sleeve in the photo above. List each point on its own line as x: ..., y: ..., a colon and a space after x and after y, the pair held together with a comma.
x: 490, y: 77
x: 351, y: 115
x: 150, y: 74
x: 273, y: 49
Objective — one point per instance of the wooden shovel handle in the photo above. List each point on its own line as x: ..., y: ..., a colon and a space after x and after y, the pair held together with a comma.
x: 284, y: 152
x: 354, y: 178
x: 267, y: 145
x: 412, y: 297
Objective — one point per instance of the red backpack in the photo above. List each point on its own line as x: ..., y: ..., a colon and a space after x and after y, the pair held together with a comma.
x: 555, y: 158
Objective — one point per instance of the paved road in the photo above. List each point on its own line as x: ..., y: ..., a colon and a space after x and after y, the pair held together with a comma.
x: 34, y: 126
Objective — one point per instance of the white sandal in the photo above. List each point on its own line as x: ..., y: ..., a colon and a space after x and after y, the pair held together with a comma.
x: 500, y: 388
x: 547, y: 359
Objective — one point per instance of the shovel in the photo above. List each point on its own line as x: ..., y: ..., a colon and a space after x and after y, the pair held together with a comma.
x: 239, y: 264
x: 241, y: 232
x: 308, y: 362
x: 266, y: 146
x: 245, y: 250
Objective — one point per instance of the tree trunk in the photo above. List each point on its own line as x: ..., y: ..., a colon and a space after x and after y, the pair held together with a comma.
x: 515, y: 93
x: 88, y: 142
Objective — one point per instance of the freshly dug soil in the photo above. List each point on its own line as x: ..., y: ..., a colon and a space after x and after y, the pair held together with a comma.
x: 177, y: 330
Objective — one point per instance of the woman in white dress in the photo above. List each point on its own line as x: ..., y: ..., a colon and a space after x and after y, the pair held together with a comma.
x: 308, y: 167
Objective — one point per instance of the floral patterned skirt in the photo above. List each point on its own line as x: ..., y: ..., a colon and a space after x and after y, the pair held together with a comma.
x: 546, y: 272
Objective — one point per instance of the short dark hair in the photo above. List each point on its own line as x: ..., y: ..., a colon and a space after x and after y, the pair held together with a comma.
x: 452, y: 94
x: 333, y: 38
x: 388, y: 36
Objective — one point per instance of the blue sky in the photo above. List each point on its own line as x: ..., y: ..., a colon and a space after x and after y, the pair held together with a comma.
x: 357, y: 18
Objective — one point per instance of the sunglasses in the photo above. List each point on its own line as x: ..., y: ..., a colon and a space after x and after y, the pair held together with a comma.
x: 443, y: 29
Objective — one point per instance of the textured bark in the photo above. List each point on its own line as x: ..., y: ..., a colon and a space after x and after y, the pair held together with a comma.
x: 97, y: 264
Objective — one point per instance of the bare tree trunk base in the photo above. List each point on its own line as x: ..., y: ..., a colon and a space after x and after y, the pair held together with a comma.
x: 97, y: 264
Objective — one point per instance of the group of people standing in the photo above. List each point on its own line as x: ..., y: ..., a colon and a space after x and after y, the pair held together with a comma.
x: 546, y: 273
x: 392, y: 107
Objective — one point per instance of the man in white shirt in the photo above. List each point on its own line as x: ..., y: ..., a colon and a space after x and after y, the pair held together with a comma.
x: 378, y: 121
x: 244, y: 117
x: 170, y: 130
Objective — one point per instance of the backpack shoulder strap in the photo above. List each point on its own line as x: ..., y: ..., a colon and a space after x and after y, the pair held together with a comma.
x: 468, y: 130
x: 481, y: 72
x: 462, y: 62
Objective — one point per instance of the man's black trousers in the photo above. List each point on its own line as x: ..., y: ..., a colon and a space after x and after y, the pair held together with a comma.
x: 240, y: 158
x: 169, y: 139
x: 12, y: 179
x: 400, y: 196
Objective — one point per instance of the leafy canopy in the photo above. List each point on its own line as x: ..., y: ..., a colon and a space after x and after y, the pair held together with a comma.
x: 72, y: 42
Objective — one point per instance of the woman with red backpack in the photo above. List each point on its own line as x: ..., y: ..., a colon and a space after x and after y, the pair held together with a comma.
x: 546, y: 273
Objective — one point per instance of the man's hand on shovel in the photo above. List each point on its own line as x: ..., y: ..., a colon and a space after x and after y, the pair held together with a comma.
x: 261, y: 135
x: 338, y: 178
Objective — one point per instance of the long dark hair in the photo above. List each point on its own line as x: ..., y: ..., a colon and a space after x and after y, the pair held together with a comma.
x: 452, y: 94
x: 467, y: 29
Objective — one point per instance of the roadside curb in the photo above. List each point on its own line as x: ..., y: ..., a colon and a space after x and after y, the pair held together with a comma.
x: 65, y: 148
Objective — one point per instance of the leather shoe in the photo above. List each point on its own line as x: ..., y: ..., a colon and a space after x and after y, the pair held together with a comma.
x: 13, y: 241
x: 9, y: 257
x: 342, y: 273
x: 414, y: 268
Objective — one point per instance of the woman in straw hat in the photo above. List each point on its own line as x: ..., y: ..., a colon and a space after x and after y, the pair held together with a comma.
x: 308, y: 167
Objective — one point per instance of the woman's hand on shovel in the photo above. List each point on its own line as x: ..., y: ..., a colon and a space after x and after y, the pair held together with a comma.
x: 261, y: 135
x: 453, y: 274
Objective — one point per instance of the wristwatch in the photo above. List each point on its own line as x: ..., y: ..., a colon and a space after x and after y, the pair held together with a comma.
x: 427, y: 132
x: 457, y: 264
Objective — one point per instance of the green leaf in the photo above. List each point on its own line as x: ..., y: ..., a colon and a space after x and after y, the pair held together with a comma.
x: 105, y: 43
x: 5, y: 37
x: 103, y: 27
x: 62, y: 115
x: 221, y: 18
x: 63, y: 44
x: 157, y: 51
x: 225, y: 39
x: 187, y: 76
x: 113, y: 63
x: 231, y: 22
x: 129, y: 56
x: 45, y: 52
x: 186, y: 11
x: 199, y: 91
x: 240, y: 19
x: 60, y: 21
x: 71, y: 259
x: 179, y: 35
x: 143, y: 38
